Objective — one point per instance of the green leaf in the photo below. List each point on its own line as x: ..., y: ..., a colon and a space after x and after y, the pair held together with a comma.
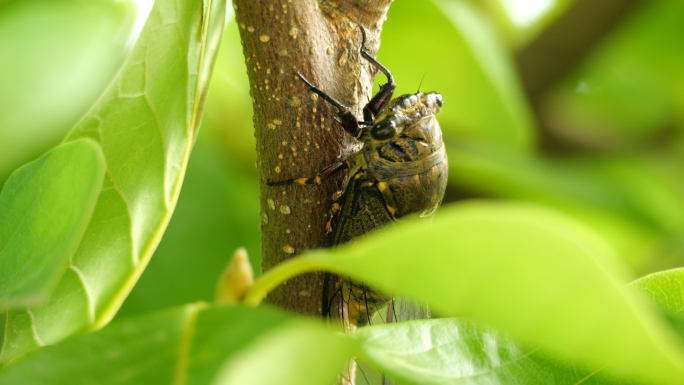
x: 191, y: 345
x: 532, y: 273
x: 461, y: 351
x: 665, y: 288
x: 297, y: 354
x: 146, y: 123
x: 215, y: 215
x: 40, y: 226
x: 58, y: 57
x: 459, y: 53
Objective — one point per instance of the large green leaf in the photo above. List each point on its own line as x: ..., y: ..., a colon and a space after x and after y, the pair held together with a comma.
x: 146, y: 123
x: 532, y: 273
x: 461, y: 351
x: 57, y: 57
x: 191, y: 345
x: 40, y: 226
x: 463, y: 60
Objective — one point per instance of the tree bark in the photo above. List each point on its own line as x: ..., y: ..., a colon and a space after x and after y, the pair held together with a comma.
x: 296, y: 134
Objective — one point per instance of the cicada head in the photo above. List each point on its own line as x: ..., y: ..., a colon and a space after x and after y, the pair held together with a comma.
x: 407, y: 129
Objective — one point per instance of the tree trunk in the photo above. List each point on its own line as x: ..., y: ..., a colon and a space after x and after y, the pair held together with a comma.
x: 296, y: 134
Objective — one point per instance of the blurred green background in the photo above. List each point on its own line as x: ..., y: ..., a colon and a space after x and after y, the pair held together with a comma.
x: 578, y: 105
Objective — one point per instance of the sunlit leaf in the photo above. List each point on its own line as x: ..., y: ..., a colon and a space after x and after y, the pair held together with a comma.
x: 146, y: 123
x: 532, y: 273
x: 453, y: 46
x: 461, y: 351
x: 40, y: 226
x: 191, y: 345
x: 57, y: 58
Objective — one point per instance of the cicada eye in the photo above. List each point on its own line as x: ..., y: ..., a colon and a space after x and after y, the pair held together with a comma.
x: 383, y: 130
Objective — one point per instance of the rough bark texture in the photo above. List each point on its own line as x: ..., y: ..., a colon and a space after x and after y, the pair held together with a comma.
x: 296, y: 134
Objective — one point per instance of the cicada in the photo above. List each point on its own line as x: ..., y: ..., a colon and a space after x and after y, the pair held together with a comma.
x: 400, y: 171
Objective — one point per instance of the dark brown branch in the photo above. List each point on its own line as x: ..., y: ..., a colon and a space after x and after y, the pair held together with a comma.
x: 296, y: 134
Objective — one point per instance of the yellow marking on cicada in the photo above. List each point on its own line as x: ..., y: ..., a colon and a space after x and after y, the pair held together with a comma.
x: 317, y: 180
x: 391, y: 209
x: 382, y: 186
x: 300, y: 181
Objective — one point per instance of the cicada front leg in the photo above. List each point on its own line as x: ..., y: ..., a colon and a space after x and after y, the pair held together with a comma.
x: 384, y: 95
x: 318, y: 179
x: 344, y: 114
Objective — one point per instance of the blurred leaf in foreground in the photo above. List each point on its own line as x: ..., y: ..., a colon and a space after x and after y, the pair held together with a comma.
x: 192, y: 345
x: 532, y: 273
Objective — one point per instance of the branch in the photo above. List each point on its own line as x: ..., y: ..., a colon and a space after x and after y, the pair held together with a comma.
x: 296, y: 135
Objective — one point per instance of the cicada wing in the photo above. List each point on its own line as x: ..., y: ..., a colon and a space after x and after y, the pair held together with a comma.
x: 401, y: 310
x: 363, y: 211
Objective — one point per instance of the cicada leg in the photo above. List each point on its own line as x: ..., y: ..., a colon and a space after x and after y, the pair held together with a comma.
x: 346, y: 117
x: 384, y: 95
x: 318, y: 179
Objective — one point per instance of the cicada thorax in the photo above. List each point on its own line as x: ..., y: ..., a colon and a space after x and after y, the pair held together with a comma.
x: 411, y: 167
x: 398, y: 176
